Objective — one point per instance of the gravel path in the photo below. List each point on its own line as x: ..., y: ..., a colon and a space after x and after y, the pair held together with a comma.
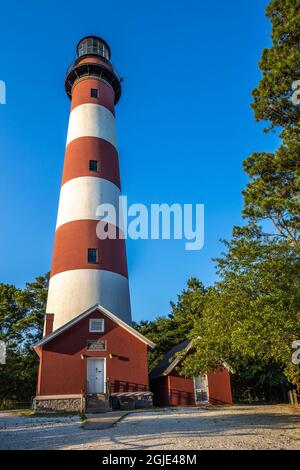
x: 236, y: 427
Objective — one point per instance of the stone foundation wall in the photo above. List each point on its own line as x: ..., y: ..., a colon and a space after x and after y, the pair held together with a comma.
x: 75, y: 405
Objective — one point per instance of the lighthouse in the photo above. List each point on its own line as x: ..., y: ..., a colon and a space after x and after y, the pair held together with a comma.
x: 91, y: 358
x: 87, y: 270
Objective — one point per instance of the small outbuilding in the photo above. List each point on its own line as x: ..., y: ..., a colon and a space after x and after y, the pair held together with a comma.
x: 172, y: 389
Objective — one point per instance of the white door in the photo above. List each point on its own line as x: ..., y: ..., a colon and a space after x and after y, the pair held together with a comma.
x: 95, y: 375
x: 201, y: 389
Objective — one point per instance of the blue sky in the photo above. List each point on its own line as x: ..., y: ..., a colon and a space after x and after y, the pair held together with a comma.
x: 184, y: 125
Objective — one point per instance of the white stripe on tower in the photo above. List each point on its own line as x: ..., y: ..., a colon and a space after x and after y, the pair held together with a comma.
x: 76, y: 283
x: 80, y: 198
x: 95, y: 286
x: 92, y: 120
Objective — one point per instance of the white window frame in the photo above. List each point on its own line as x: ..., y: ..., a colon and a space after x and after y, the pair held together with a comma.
x: 91, y: 330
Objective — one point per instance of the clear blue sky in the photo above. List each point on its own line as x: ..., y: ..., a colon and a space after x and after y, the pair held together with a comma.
x: 184, y: 125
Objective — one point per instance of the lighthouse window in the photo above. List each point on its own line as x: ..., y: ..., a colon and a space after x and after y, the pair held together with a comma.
x: 94, y: 93
x: 96, y: 325
x: 93, y: 165
x: 92, y: 255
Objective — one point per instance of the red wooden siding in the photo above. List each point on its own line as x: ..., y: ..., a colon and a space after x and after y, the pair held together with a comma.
x: 175, y: 390
x: 181, y: 391
x: 63, y: 371
x: 219, y: 387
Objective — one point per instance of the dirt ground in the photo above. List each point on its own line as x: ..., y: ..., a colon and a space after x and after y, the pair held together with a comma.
x: 235, y: 427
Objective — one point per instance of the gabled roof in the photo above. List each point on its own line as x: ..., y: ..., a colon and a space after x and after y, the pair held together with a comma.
x: 168, y: 362
x: 84, y: 314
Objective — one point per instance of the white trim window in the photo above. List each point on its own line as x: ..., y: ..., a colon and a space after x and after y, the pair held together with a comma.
x: 96, y: 325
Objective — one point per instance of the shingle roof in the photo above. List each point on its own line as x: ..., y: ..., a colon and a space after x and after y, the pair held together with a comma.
x: 169, y: 361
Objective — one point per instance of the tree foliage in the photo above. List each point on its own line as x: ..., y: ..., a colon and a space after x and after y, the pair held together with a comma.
x: 272, y: 196
x: 168, y: 331
x: 280, y: 66
x: 252, y: 315
x: 21, y: 321
x: 250, y: 318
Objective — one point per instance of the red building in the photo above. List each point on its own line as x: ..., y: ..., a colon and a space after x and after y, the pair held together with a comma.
x: 171, y: 389
x: 93, y: 357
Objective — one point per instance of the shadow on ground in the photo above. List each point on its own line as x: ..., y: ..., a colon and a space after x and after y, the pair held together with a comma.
x: 154, y: 429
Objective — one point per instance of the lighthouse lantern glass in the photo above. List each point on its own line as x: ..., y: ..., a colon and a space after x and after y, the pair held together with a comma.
x: 93, y: 46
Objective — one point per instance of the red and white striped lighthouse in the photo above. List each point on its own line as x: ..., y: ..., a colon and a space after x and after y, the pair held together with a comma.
x: 86, y: 270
